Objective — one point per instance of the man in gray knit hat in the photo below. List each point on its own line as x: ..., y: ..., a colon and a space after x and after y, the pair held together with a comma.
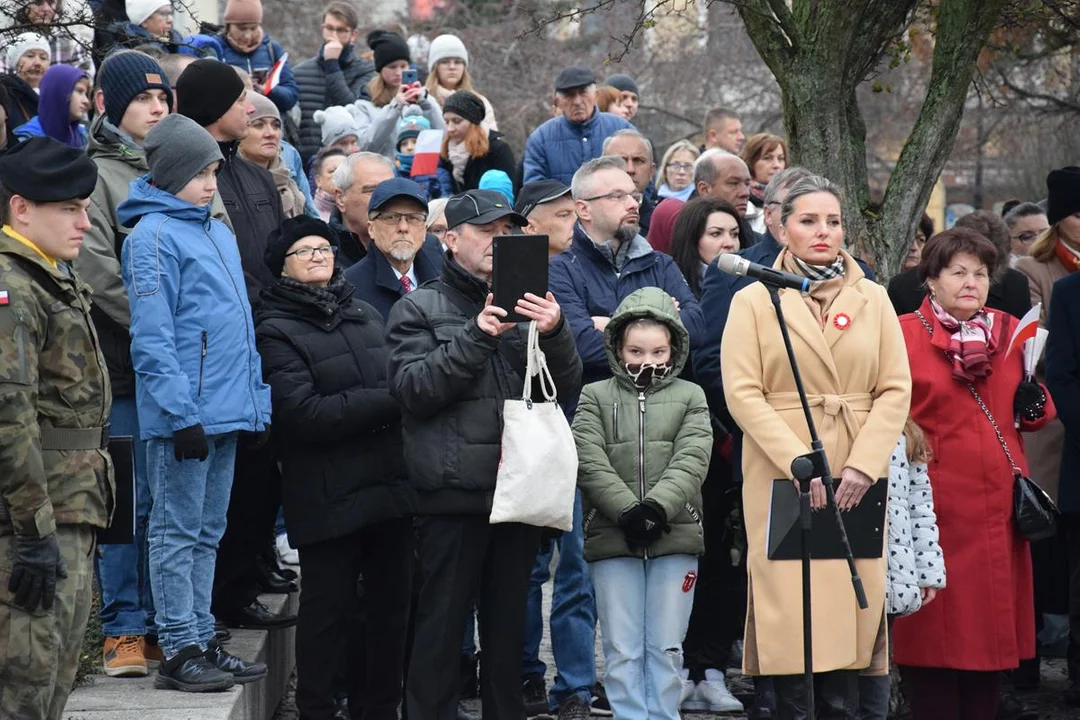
x: 199, y: 388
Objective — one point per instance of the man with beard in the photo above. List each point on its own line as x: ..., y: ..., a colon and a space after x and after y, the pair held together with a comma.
x: 403, y: 258
x: 608, y: 260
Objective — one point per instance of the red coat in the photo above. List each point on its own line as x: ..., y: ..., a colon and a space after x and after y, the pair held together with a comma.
x: 984, y: 619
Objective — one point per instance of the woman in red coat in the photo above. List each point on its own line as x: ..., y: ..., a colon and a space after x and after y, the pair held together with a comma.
x: 951, y: 652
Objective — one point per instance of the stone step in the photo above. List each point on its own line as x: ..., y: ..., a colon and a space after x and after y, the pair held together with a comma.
x: 109, y: 698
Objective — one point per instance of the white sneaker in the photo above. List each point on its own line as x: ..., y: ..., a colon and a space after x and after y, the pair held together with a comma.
x: 714, y: 694
x: 687, y: 691
x: 288, y: 555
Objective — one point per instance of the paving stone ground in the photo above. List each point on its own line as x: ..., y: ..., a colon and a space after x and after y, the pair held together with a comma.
x: 1047, y: 699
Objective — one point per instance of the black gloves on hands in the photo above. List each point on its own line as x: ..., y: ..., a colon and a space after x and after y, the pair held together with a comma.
x: 255, y: 440
x: 190, y: 444
x: 1030, y: 401
x: 36, y: 564
x: 643, y: 525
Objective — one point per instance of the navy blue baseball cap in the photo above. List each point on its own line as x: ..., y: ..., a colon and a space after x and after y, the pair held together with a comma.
x: 393, y: 188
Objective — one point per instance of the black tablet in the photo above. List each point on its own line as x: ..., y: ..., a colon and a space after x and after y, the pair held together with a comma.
x: 519, y: 266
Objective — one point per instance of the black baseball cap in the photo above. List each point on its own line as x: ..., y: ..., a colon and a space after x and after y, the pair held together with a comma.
x: 574, y: 76
x: 539, y: 192
x: 393, y: 188
x: 479, y: 207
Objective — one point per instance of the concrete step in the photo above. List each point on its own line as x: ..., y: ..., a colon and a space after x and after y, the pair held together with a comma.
x: 109, y: 698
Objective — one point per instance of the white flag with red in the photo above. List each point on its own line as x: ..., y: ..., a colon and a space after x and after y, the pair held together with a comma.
x: 1029, y: 325
x: 273, y: 78
x: 426, y: 155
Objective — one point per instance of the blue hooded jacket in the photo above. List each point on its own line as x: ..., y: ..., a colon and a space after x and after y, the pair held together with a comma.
x: 259, y: 62
x: 556, y: 149
x: 192, y: 333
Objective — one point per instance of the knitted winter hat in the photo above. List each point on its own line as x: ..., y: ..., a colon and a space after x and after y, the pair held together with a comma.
x: 264, y: 107
x: 1063, y: 200
x: 139, y: 11
x: 123, y: 76
x: 206, y: 90
x: 24, y: 44
x: 446, y: 46
x: 498, y: 181
x: 388, y: 47
x: 467, y: 105
x: 178, y: 149
x: 337, y: 122
x: 410, y: 126
x: 238, y: 12
x: 623, y: 83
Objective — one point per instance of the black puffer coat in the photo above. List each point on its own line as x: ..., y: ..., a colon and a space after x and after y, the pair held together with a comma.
x: 451, y: 379
x: 336, y: 428
x: 325, y: 84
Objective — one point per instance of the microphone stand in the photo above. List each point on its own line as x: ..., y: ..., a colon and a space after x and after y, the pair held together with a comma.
x: 804, y: 468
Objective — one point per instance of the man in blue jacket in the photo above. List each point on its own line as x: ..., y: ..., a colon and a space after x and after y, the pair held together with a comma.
x: 608, y: 260
x: 556, y: 149
x: 401, y: 257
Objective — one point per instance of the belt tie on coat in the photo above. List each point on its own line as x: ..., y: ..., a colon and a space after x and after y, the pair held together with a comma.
x: 843, y: 407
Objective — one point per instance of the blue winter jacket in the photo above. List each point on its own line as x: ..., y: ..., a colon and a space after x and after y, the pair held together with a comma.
x: 557, y: 148
x: 259, y: 62
x: 32, y: 129
x: 585, y: 285
x: 192, y: 334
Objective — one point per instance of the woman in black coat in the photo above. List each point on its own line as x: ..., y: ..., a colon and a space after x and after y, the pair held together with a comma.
x: 346, y: 496
x: 469, y: 149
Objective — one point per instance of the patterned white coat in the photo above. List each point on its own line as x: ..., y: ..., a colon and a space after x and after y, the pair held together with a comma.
x: 915, y: 557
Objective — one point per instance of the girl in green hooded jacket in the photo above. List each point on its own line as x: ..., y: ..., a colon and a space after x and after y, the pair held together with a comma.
x: 644, y: 440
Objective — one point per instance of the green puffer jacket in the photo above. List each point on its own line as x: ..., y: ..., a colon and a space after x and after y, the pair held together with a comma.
x: 634, y: 446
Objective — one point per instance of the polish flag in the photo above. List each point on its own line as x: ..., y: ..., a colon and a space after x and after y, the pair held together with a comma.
x: 1029, y: 325
x: 426, y: 155
x: 4, y: 297
x: 273, y: 78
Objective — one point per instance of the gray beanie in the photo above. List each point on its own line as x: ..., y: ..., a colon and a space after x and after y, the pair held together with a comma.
x: 178, y: 149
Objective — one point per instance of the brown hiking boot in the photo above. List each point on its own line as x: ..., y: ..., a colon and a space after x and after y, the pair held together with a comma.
x: 152, y: 653
x: 125, y: 656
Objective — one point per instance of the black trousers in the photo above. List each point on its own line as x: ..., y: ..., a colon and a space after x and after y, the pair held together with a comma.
x: 719, y: 614
x: 383, y: 555
x: 1070, y: 524
x: 836, y: 695
x: 462, y: 557
x: 253, y: 509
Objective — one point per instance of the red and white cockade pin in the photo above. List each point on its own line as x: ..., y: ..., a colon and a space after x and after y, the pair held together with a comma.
x: 841, y: 321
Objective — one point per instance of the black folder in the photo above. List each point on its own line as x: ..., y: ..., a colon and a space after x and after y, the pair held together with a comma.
x: 519, y: 266
x: 865, y: 525
x: 122, y: 529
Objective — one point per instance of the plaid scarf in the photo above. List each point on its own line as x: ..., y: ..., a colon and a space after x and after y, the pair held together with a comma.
x: 819, y: 273
x: 971, y: 344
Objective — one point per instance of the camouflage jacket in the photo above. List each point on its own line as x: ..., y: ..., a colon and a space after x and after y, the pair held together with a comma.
x: 53, y: 382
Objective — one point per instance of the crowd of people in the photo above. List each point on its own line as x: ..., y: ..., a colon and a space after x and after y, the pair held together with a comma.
x: 236, y: 266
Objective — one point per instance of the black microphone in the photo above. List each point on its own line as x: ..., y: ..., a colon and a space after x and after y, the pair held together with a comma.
x: 735, y: 265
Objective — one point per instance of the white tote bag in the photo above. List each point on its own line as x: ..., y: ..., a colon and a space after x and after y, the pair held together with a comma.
x: 538, y: 469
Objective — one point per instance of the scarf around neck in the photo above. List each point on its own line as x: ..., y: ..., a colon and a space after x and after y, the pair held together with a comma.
x: 459, y: 158
x: 826, y: 282
x: 1069, y: 257
x: 971, y: 342
x: 325, y: 204
x: 292, y: 199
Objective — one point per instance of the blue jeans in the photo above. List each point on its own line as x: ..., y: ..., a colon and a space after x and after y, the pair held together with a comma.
x: 187, y: 520
x: 644, y: 608
x: 127, y: 607
x: 573, y: 617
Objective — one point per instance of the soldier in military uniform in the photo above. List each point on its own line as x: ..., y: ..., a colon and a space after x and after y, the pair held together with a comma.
x: 56, y: 484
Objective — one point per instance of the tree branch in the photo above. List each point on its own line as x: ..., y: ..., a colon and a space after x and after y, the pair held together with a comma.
x: 773, y: 43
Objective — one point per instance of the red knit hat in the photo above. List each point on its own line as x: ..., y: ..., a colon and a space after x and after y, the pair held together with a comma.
x: 238, y: 12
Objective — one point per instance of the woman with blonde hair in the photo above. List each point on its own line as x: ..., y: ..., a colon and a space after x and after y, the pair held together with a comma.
x: 851, y: 354
x: 448, y: 72
x: 675, y: 176
x: 379, y: 116
x: 469, y: 149
x: 765, y: 155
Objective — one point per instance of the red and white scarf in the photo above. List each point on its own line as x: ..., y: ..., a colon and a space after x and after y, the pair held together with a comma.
x: 971, y: 344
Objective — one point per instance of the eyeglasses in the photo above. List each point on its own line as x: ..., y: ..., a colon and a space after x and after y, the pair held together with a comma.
x: 306, y: 253
x: 681, y: 167
x: 393, y: 218
x: 617, y: 197
x: 1028, y: 237
x: 341, y: 31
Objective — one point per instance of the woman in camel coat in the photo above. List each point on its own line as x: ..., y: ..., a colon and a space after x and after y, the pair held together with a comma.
x: 851, y: 355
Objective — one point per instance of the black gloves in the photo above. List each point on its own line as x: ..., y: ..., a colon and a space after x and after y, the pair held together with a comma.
x: 36, y: 563
x: 1030, y: 401
x: 255, y: 440
x: 190, y: 444
x: 643, y: 525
